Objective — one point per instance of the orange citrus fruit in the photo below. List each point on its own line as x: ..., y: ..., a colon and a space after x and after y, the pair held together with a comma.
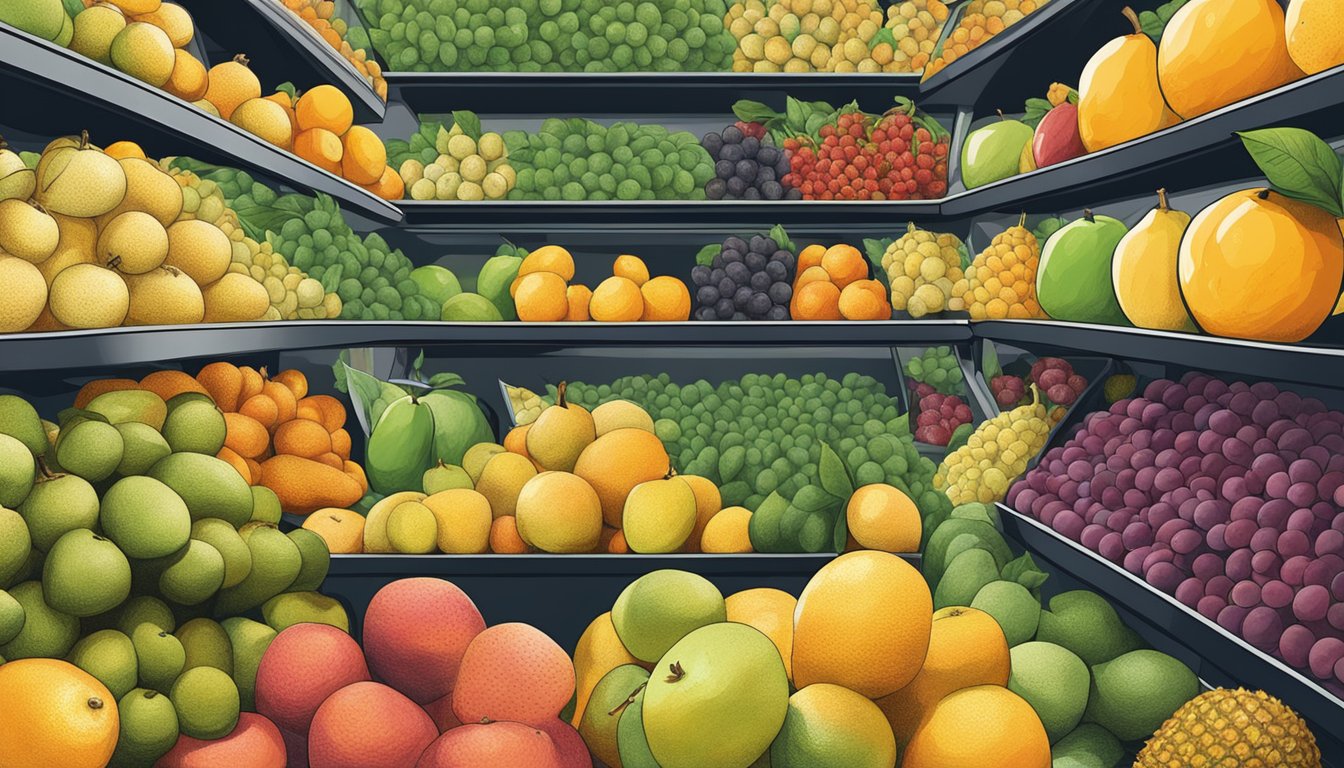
x: 123, y: 149
x: 844, y: 264
x: 880, y: 516
x: 189, y: 80
x: 666, y: 299
x: 265, y: 119
x: 321, y: 148
x: 548, y: 258
x: 864, y: 300
x: 364, y: 158
x: 325, y: 107
x: 810, y: 257
x: 578, y: 296
x: 231, y: 84
x: 616, y: 300
x: 974, y: 722
x: 389, y: 187
x: 631, y: 268
x: 541, y: 298
x: 816, y: 300
x: 55, y: 714
x: 1258, y: 265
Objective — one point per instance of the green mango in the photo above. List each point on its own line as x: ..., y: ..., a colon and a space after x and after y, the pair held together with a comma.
x: 401, y: 447
x: 1073, y: 281
x: 459, y: 423
x: 494, y: 280
x: 19, y: 420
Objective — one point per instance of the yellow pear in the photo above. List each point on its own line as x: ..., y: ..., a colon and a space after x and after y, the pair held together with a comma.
x: 598, y: 651
x: 559, y: 512
x: 375, y: 523
x: 27, y: 231
x: 17, y: 180
x: 89, y: 296
x: 94, y: 30
x: 134, y: 243
x: 1143, y: 270
x: 1216, y: 52
x: 27, y: 295
x: 148, y: 189
x: 560, y: 434
x: 77, y: 179
x: 620, y: 414
x: 502, y: 480
x: 1118, y: 95
x: 164, y: 296
x: 1315, y: 31
x: 659, y: 516
x: 77, y: 245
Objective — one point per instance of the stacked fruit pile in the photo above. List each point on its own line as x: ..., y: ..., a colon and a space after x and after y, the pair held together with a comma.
x: 108, y: 241
x: 125, y: 496
x: 995, y: 454
x: 747, y: 165
x: 469, y: 164
x: 551, y: 36
x: 321, y: 16
x: 432, y: 686
x: 939, y: 368
x: 935, y: 380
x: 543, y: 292
x: 277, y: 437
x: 922, y: 267
x: 1251, y: 484
x: 746, y: 278
x: 979, y: 22
x: 1001, y: 280
x: 579, y: 159
x: 833, y: 284
x: 1059, y: 385
x: 839, y: 36
x: 762, y: 440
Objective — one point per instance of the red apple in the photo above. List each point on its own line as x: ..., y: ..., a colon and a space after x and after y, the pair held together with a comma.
x: 1057, y: 138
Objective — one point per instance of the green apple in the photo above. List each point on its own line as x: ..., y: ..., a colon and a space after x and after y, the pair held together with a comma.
x: 438, y: 283
x: 994, y: 152
x: 1073, y: 281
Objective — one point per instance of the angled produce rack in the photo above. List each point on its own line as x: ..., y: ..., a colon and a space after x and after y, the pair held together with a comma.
x: 283, y: 48
x: 111, y: 104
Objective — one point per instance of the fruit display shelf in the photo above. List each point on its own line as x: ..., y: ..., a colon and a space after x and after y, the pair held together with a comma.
x: 1298, y: 363
x: 636, y: 93
x: 1191, y: 154
x: 293, y: 50
x: 130, y: 346
x: 77, y: 92
x: 1223, y: 659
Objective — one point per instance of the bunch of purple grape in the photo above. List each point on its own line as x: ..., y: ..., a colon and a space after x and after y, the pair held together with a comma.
x: 747, y: 165
x: 748, y: 280
x: 1227, y: 496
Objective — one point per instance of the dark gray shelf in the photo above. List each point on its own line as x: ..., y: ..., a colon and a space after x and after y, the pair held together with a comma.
x: 575, y: 565
x: 282, y: 47
x: 139, y: 345
x: 1195, y: 153
x: 1304, y: 364
x: 636, y: 93
x: 1224, y: 659
x: 77, y: 93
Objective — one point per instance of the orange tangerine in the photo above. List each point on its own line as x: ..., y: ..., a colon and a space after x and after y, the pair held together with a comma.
x: 666, y: 299
x: 541, y: 298
x: 548, y: 258
x: 880, y: 516
x: 864, y: 300
x: 389, y: 187
x: 325, y: 107
x: 123, y: 149
x: 579, y: 297
x: 265, y: 119
x: 365, y: 157
x: 631, y: 268
x: 844, y: 264
x: 810, y: 257
x: 55, y: 714
x: 816, y: 301
x: 616, y: 300
x: 231, y: 84
x: 321, y: 148
x: 172, y: 19
x: 189, y: 80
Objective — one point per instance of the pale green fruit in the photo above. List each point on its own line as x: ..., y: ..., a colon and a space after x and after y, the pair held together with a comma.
x: 316, y: 560
x: 210, y: 487
x: 11, y: 617
x: 249, y: 640
x: 46, y: 632
x: 27, y: 231
x: 207, y: 703
x: 226, y: 539
x: 659, y: 516
x: 195, y: 427
x: 85, y: 574
x: 992, y: 153
x: 205, y: 644
x: 143, y: 609
x: 145, y: 517
x: 58, y: 505
x: 19, y: 420
x: 265, y: 505
x: 445, y: 477
x: 160, y: 657
x: 276, y: 563
x: 109, y: 656
x: 1132, y: 695
x: 1013, y: 606
x: 95, y: 28
x: 438, y: 283
x: 630, y: 738
x: 17, y: 471
x: 193, y: 575
x: 15, y: 544
x: 717, y: 697
x: 89, y: 448
x: 1053, y: 681
x: 148, y: 728
x: 599, y: 726
x: 659, y: 608
x: 130, y: 405
x: 144, y: 52
x: 143, y: 447
x: 37, y: 17
x: 286, y: 610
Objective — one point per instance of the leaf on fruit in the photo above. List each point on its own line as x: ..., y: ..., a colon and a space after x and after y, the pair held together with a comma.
x: 884, y: 35
x: 1023, y: 570
x: 1074, y: 98
x: 959, y: 437
x: 445, y: 380
x: 705, y: 256
x: 833, y: 475
x: 331, y: 278
x: 813, y: 498
x: 288, y: 89
x: 1299, y: 165
x: 1154, y: 22
x: 749, y: 111
x: 1036, y: 110
x: 73, y: 7
x: 989, y: 361
x: 796, y: 112
x: 840, y: 539
x: 782, y: 239
x: 418, y: 365
x: 468, y: 121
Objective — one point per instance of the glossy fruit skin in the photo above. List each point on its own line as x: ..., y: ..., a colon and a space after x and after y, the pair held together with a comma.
x: 1216, y: 52
x: 1057, y: 137
x: 1315, y: 31
x: 1119, y: 97
x: 1257, y: 265
x: 1143, y: 271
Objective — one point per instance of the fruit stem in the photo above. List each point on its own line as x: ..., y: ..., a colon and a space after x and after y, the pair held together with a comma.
x: 560, y: 394
x: 84, y: 139
x: 1022, y: 220
x: 95, y: 702
x: 1001, y: 115
x: 1087, y: 214
x: 1162, y: 200
x: 242, y: 59
x: 47, y: 474
x: 628, y: 701
x: 3, y: 144
x: 1263, y: 194
x: 1133, y: 19
x: 677, y: 672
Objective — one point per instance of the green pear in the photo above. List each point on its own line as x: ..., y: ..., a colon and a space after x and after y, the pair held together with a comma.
x: 195, y: 427
x: 145, y: 517
x: 143, y: 609
x: 286, y: 610
x: 15, y: 544
x: 493, y: 281
x: 1132, y: 695
x: 160, y: 657
x: 226, y: 539
x: 445, y: 477
x: 93, y: 32
x: 993, y: 152
x: 659, y: 608
x: 265, y: 505
x: 11, y: 617
x: 602, y: 715
x: 630, y: 739
x: 316, y: 560
x: 43, y: 18
x: 109, y: 656
x: 438, y: 283
x: 57, y: 505
x: 148, y: 728
x: 210, y: 487
x: 193, y: 575
x: 17, y: 471
x: 85, y: 574
x: 249, y: 640
x: 130, y: 405
x: 89, y: 448
x: 207, y: 703
x: 1087, y: 624
x: 143, y: 446
x: 205, y: 644
x: 276, y: 563
x: 1074, y: 279
x: 18, y: 418
x: 46, y: 632
x: 401, y: 447
x: 1053, y: 681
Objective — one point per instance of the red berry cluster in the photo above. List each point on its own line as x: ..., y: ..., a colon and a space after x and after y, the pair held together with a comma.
x: 755, y: 130
x: 863, y: 157
x: 1057, y: 380
x: 939, y: 415
x: 1009, y: 391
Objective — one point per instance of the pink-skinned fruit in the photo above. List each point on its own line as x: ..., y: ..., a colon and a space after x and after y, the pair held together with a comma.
x: 254, y: 743
x: 415, y: 633
x: 368, y: 725
x: 502, y: 744
x: 515, y: 672
x: 304, y: 665
x: 1057, y: 138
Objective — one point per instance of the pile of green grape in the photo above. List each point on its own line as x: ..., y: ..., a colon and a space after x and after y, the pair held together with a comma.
x: 550, y: 35
x: 763, y: 434
x: 578, y: 159
x: 372, y: 280
x: 939, y: 368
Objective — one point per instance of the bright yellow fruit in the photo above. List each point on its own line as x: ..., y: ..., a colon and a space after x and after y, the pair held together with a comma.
x: 727, y: 532
x: 464, y: 521
x: 559, y: 512
x: 985, y: 725
x: 658, y: 516
x: 1315, y: 34
x: 881, y: 517
x: 770, y: 611
x: 598, y: 651
x: 1143, y: 270
x: 1119, y: 98
x: 55, y: 714
x: 26, y: 294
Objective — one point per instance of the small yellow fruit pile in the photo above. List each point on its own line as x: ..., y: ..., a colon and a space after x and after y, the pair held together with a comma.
x: 922, y: 268
x: 804, y: 35
x: 321, y: 16
x: 915, y: 27
x: 980, y: 22
x: 467, y: 169
x: 1001, y: 281
x: 995, y: 454
x: 543, y: 292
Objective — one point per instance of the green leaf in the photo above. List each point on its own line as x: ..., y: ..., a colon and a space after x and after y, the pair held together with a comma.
x: 796, y: 112
x: 781, y: 237
x: 1299, y: 165
x: 446, y: 380
x: 468, y: 121
x: 989, y: 361
x: 73, y: 7
x: 331, y: 278
x: 258, y: 220
x: 813, y: 498
x: 1036, y: 109
x: 1154, y: 23
x: 1073, y: 97
x: 418, y: 365
x: 840, y: 539
x: 365, y: 392
x: 1048, y: 227
x: 749, y: 111
x: 959, y: 437
x: 705, y: 256
x: 833, y: 475
x: 875, y: 249
x: 763, y: 528
x: 289, y: 90
x: 884, y: 35
x: 1024, y: 571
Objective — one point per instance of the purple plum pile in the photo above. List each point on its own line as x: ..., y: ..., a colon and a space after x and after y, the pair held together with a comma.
x: 1226, y: 496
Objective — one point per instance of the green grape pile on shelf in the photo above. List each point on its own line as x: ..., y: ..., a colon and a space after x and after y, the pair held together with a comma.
x: 371, y: 279
x: 939, y: 368
x: 550, y: 35
x: 578, y: 159
x: 761, y: 435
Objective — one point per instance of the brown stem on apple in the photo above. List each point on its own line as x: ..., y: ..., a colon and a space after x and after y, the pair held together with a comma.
x: 1001, y: 115
x: 1162, y: 200
x: 560, y: 394
x: 677, y: 672
x: 1133, y: 19
x: 1087, y: 214
x: 628, y: 701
